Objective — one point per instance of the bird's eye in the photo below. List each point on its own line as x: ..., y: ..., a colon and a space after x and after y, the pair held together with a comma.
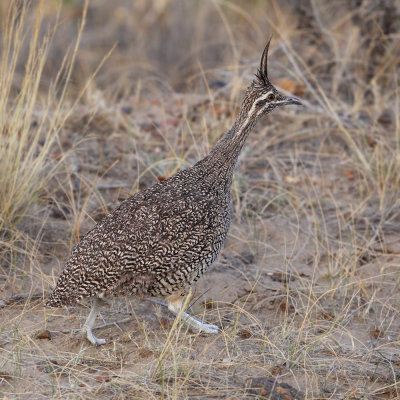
x: 271, y: 97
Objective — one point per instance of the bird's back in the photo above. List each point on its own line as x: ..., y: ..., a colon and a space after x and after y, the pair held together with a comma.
x: 155, y: 243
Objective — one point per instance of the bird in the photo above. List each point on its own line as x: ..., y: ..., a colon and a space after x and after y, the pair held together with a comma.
x: 161, y: 240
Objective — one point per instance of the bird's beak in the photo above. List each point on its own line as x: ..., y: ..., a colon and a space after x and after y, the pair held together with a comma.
x: 292, y: 100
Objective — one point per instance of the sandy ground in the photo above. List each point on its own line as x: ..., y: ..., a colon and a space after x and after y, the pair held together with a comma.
x: 305, y: 292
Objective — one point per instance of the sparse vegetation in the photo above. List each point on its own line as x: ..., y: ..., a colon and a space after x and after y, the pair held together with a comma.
x: 307, y: 288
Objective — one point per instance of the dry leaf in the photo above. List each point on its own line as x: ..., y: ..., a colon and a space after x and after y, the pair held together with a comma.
x: 44, y: 335
x: 144, y: 353
x: 244, y: 333
x: 376, y: 333
x: 327, y: 315
x: 165, y: 323
x: 103, y: 377
x: 270, y: 388
x: 209, y: 305
x: 291, y: 86
x: 349, y: 175
x: 6, y: 377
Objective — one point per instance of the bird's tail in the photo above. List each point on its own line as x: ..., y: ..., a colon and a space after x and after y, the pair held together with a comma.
x: 54, y: 300
x: 59, y: 298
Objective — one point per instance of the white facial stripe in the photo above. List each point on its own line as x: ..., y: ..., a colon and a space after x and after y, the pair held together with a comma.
x: 260, y: 112
x: 263, y: 97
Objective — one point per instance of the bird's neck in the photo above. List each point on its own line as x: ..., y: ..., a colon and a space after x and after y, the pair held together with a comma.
x: 221, y: 160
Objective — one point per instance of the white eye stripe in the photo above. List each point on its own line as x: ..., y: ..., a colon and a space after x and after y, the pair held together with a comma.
x: 251, y: 112
x: 264, y: 96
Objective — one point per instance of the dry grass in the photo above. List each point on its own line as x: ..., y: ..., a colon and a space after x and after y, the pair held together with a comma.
x: 307, y: 287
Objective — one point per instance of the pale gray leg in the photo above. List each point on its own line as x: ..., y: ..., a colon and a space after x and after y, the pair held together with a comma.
x: 175, y: 304
x: 88, y: 326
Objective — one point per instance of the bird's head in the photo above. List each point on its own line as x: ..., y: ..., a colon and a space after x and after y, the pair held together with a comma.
x: 261, y: 96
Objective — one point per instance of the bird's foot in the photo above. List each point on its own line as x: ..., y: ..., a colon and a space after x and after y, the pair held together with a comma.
x: 207, y: 328
x: 90, y: 336
x: 175, y: 304
x: 199, y: 326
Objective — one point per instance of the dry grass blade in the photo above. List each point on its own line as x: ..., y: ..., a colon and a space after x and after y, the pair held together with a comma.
x: 28, y: 135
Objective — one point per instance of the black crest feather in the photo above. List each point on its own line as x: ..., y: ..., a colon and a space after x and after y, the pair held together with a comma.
x: 262, y: 73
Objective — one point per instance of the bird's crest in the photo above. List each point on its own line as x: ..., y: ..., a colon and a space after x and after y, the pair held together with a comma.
x: 262, y: 73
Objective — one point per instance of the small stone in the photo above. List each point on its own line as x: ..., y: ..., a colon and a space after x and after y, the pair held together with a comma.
x: 281, y: 277
x: 217, y: 84
x: 386, y: 118
x: 127, y: 109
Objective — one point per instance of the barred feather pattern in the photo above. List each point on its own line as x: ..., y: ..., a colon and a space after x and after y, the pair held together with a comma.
x: 155, y: 243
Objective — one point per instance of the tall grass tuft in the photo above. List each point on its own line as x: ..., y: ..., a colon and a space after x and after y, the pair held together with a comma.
x: 28, y: 133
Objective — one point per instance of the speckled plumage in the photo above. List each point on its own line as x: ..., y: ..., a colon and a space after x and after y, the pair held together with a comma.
x: 161, y: 240
x: 155, y: 243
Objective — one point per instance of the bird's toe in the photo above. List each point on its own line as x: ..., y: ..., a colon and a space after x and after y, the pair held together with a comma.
x: 99, y: 342
x: 206, y: 328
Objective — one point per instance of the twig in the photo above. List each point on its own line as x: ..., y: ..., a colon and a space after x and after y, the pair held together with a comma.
x: 105, y: 186
x: 19, y: 298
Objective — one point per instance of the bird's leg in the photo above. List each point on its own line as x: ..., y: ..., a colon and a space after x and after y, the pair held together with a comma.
x: 88, y: 326
x: 175, y: 304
